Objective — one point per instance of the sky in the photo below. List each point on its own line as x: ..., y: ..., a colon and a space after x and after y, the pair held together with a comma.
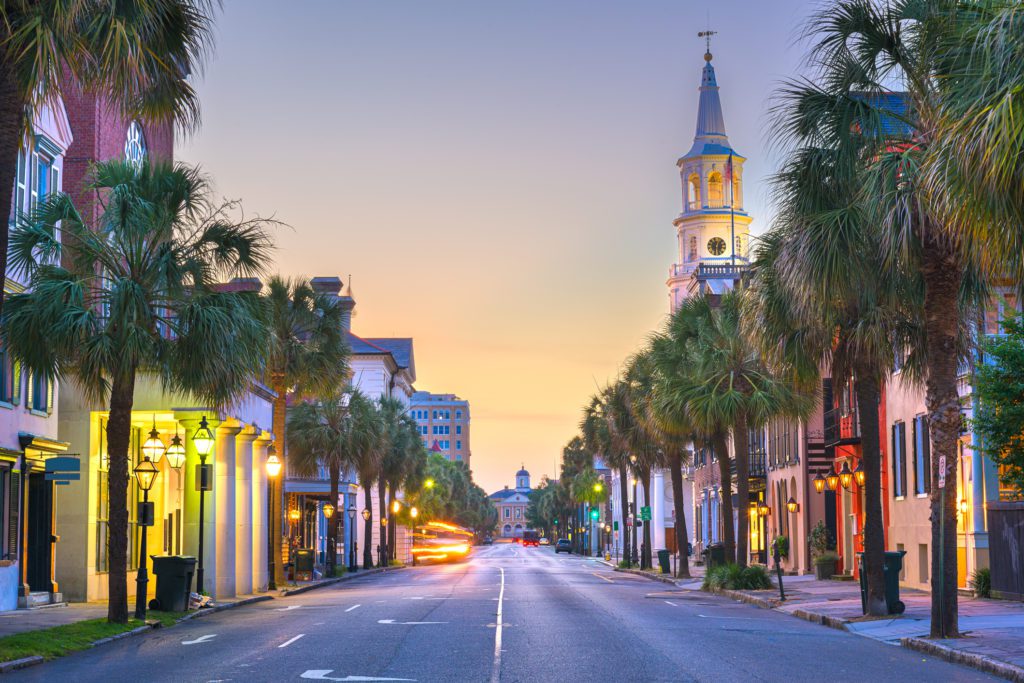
x: 498, y: 179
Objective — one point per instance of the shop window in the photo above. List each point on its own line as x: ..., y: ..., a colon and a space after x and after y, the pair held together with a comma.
x: 899, y: 459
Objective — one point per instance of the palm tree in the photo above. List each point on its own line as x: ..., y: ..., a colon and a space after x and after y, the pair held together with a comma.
x: 367, y: 439
x: 596, y: 430
x: 137, y: 293
x: 859, y: 48
x: 136, y: 54
x: 321, y: 435
x: 307, y: 354
x: 401, y: 444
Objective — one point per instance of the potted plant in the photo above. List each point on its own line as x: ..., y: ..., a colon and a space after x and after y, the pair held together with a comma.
x: 821, y: 552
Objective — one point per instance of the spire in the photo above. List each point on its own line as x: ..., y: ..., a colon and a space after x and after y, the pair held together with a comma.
x: 710, y: 136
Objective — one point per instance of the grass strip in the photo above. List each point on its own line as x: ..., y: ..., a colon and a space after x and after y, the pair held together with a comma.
x: 58, y: 641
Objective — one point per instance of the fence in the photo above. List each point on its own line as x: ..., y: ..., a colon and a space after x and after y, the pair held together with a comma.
x: 1006, y: 549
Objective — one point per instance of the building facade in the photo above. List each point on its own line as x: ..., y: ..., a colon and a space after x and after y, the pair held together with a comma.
x: 443, y: 420
x: 511, y: 504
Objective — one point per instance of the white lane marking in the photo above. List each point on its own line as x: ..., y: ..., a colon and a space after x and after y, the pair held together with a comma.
x: 408, y: 623
x: 352, y: 608
x: 496, y: 671
x: 705, y: 616
x: 290, y: 641
x: 288, y: 608
x: 321, y: 675
x: 602, y: 577
x: 200, y: 639
x: 669, y: 602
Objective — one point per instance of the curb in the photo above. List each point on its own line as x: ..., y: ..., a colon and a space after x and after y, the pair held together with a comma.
x: 824, y: 620
x: 337, y: 579
x: 979, y: 662
x: 126, y: 634
x: 763, y: 603
x: 652, y: 577
x: 15, y: 664
x: 220, y: 608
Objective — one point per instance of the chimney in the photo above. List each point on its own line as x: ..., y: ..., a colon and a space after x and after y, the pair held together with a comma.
x: 331, y: 286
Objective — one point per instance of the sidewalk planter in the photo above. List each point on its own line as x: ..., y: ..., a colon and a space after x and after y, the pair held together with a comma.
x: 825, y: 566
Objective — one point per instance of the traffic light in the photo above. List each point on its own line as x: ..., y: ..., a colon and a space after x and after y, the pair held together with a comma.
x: 556, y: 522
x: 594, y: 514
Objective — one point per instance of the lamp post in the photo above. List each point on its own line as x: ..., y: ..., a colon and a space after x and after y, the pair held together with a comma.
x: 273, y: 471
x: 145, y: 474
x: 352, y: 538
x: 413, y: 514
x: 202, y: 439
x: 328, y: 511
x: 367, y: 551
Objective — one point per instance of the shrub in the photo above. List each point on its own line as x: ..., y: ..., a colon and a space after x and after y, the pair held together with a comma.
x: 734, y: 577
x: 981, y: 582
x: 827, y: 557
x: 820, y: 540
x: 782, y: 542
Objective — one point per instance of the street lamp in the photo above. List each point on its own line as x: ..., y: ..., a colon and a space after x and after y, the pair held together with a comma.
x: 154, y: 448
x: 396, y: 506
x: 294, y: 514
x: 832, y: 479
x: 632, y: 458
x: 352, y: 538
x: 145, y: 474
x: 859, y: 474
x: 273, y: 466
x: 413, y: 514
x: 598, y: 487
x: 819, y: 483
x: 366, y: 514
x: 328, y: 510
x: 846, y: 476
x: 202, y: 439
x: 429, y: 484
x: 176, y: 453
x: 792, y: 505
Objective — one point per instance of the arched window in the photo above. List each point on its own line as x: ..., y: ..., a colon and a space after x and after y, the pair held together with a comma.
x: 693, y: 191
x: 692, y: 252
x: 737, y: 192
x: 739, y: 247
x: 715, y: 199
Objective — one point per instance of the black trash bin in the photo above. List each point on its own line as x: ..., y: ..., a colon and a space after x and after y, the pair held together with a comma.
x: 714, y: 556
x: 304, y: 564
x: 663, y: 562
x: 173, y: 582
x: 891, y: 568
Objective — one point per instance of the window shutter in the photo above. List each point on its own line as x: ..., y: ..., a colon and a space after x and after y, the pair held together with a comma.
x: 926, y: 447
x: 14, y: 509
x: 914, y: 457
x: 49, y: 396
x: 16, y: 383
x: 895, y: 463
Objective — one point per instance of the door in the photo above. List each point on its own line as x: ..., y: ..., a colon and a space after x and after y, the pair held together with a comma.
x: 38, y: 563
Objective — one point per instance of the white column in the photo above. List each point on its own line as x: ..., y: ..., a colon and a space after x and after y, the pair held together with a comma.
x: 260, y: 510
x: 224, y: 497
x: 244, y: 480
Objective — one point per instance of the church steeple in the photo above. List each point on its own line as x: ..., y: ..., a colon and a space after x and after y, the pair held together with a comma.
x: 710, y: 136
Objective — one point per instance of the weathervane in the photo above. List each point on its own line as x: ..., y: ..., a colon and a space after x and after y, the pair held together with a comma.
x: 706, y: 35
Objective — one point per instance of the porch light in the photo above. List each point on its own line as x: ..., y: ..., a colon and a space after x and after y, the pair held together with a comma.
x: 764, y: 510
x: 366, y: 514
x: 819, y: 483
x: 176, y: 453
x: 203, y: 439
x: 794, y: 506
x: 832, y: 479
x: 846, y: 476
x: 145, y: 473
x: 328, y: 510
x: 154, y: 448
x: 294, y: 514
x: 273, y: 462
x: 859, y: 475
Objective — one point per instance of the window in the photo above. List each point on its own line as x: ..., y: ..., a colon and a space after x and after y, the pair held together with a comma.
x: 458, y: 429
x: 692, y: 252
x: 21, y: 183
x: 39, y: 393
x: 508, y: 513
x: 715, y: 197
x: 458, y: 457
x: 458, y: 445
x: 693, y: 191
x: 922, y: 562
x: 519, y: 513
x: 8, y: 378
x: 102, y: 507
x: 435, y: 414
x: 922, y: 456
x: 899, y: 459
x: 458, y: 414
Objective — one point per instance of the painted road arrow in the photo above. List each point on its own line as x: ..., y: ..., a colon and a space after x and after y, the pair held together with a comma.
x: 408, y: 623
x: 200, y: 639
x: 321, y: 675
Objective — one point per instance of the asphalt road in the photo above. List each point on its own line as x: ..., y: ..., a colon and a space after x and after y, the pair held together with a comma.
x: 508, y: 614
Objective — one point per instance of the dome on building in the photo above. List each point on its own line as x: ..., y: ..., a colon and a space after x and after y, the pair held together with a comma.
x: 522, y: 473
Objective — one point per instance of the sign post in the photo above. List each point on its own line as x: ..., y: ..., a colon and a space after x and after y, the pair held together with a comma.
x: 942, y: 541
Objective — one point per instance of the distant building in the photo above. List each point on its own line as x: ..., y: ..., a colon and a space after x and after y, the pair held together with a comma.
x: 511, y: 505
x: 443, y: 420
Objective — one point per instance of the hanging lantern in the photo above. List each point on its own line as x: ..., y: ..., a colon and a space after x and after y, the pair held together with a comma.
x: 859, y: 475
x: 328, y: 510
x: 819, y: 483
x: 832, y: 479
x: 846, y: 476
x: 154, y: 448
x: 176, y: 453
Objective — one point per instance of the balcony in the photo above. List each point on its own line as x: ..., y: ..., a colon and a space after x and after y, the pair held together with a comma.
x: 714, y: 204
x: 678, y: 270
x: 721, y: 271
x: 840, y: 428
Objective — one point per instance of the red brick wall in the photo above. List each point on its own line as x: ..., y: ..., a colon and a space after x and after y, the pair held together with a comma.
x: 99, y: 132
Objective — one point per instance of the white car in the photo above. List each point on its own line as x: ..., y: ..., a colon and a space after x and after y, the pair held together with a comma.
x: 544, y: 541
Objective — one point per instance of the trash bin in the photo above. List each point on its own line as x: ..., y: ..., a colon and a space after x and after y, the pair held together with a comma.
x: 304, y: 564
x: 173, y: 582
x: 714, y: 555
x: 663, y: 556
x: 891, y: 568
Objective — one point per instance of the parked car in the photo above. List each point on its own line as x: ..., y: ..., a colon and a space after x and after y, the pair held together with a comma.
x: 563, y: 546
x: 488, y: 540
x: 544, y: 541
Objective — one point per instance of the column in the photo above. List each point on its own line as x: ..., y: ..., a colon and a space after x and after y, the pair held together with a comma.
x: 245, y: 479
x: 224, y: 497
x: 260, y: 513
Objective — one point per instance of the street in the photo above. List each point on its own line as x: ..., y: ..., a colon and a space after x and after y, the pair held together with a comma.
x: 562, y: 618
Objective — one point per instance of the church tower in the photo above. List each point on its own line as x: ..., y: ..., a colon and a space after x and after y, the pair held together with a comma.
x: 713, y: 230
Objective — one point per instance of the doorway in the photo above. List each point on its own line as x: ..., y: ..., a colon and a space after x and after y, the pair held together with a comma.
x: 39, y: 549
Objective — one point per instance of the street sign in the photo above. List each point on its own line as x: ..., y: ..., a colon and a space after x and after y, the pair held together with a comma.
x: 645, y: 513
x: 615, y: 525
x: 942, y: 471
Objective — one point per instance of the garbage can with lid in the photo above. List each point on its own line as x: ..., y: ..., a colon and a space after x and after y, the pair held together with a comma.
x: 714, y: 555
x: 304, y: 564
x: 173, y: 582
x: 891, y: 568
x: 663, y: 562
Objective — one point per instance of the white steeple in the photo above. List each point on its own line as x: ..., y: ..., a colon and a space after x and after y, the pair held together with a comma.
x: 713, y: 229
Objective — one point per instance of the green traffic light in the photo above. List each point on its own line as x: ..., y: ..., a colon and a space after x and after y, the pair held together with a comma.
x: 593, y: 514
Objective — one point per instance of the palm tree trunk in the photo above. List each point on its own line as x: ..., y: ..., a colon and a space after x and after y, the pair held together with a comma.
x: 12, y: 114
x: 741, y: 444
x: 624, y: 512
x: 332, y: 521
x: 645, y: 559
x: 868, y: 394
x: 280, y: 414
x: 942, y: 278
x: 382, y: 552
x: 718, y: 442
x: 676, y: 466
x: 119, y: 434
x: 368, y: 528
x: 392, y: 527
